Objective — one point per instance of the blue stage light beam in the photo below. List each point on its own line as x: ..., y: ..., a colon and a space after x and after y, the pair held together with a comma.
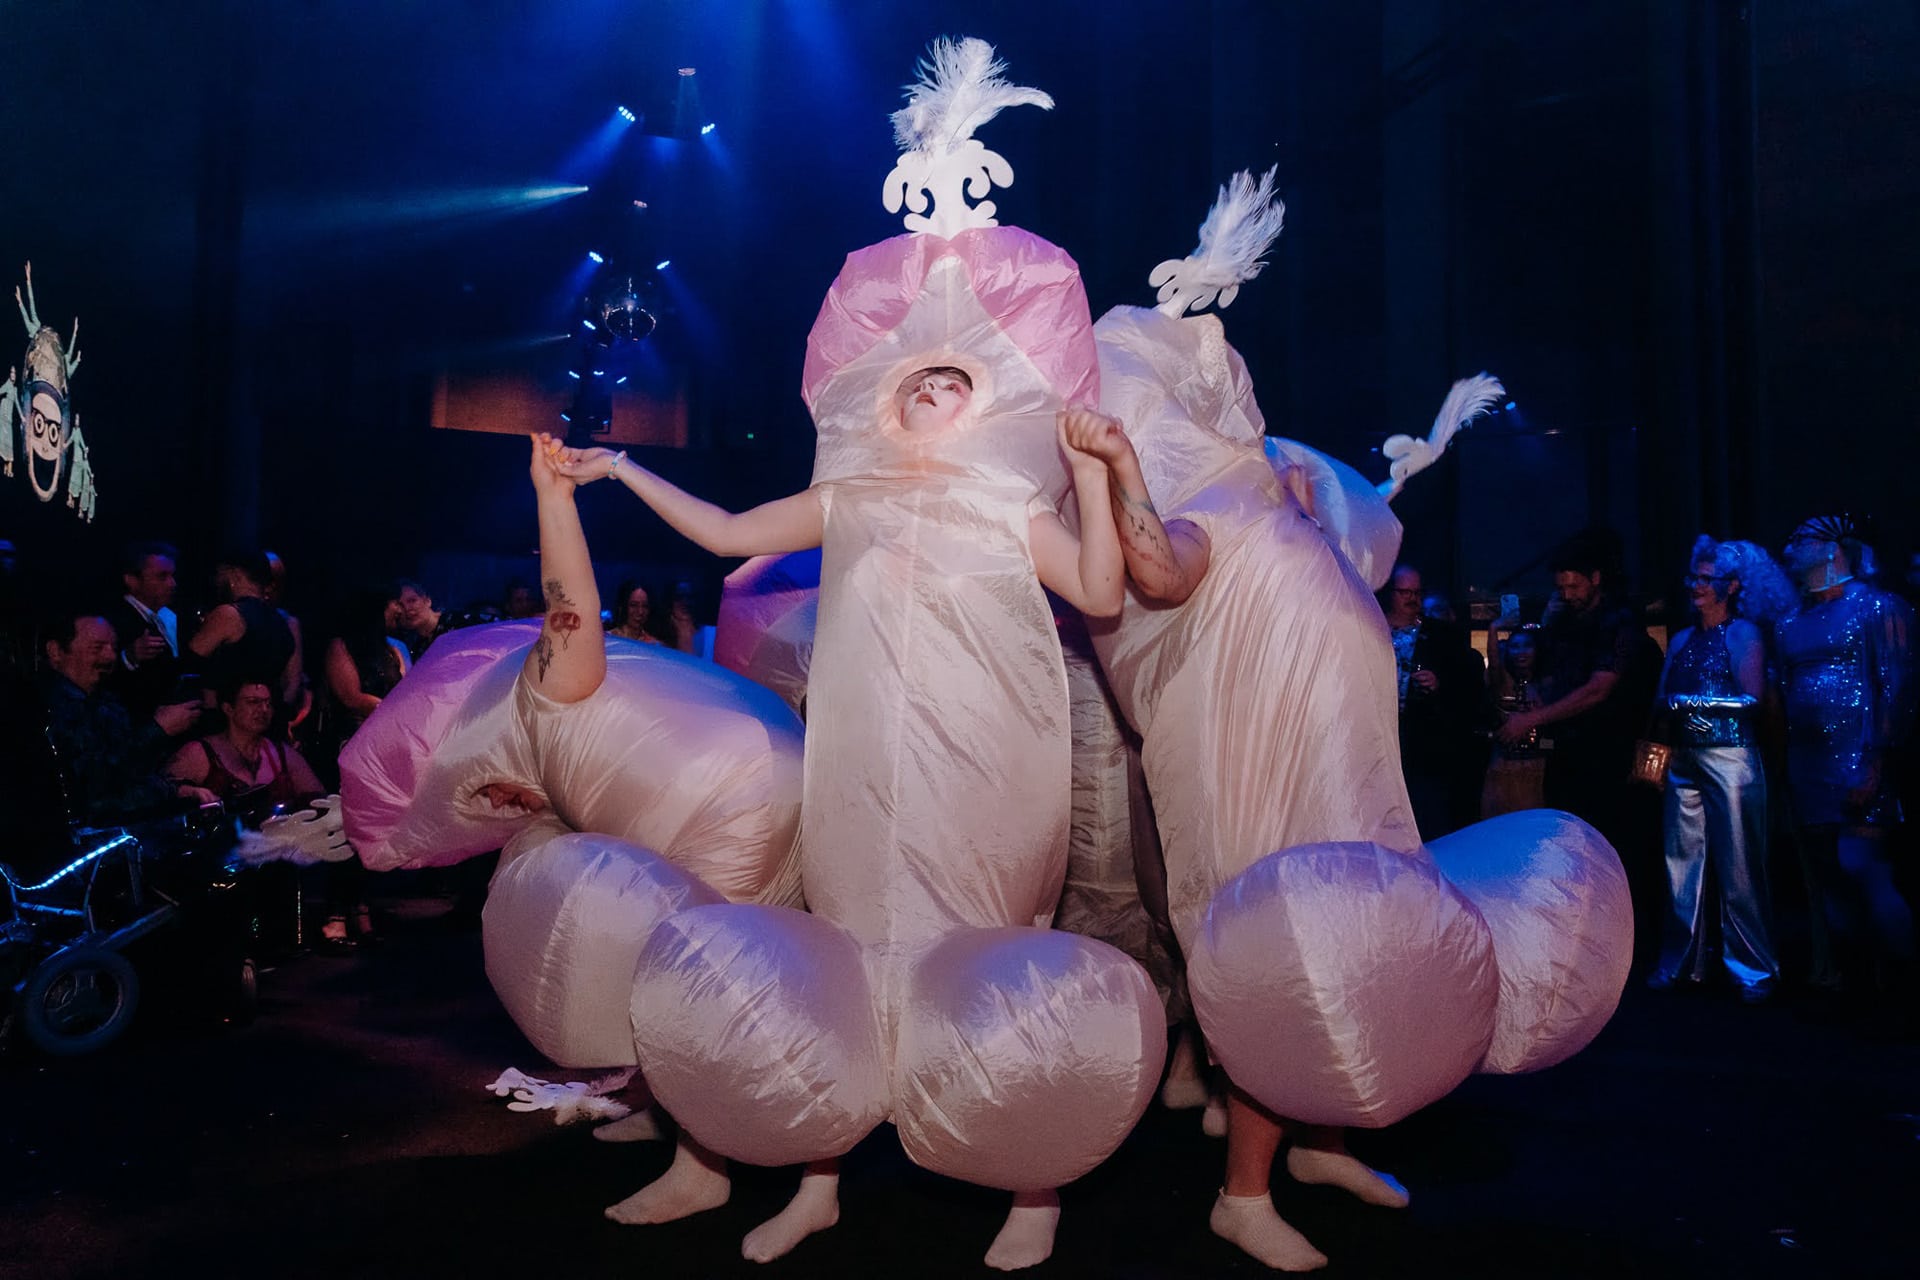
x: 663, y: 264
x: 370, y: 214
x: 595, y: 257
x: 590, y: 159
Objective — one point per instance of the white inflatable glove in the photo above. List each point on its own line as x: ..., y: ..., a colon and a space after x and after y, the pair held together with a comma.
x: 304, y: 838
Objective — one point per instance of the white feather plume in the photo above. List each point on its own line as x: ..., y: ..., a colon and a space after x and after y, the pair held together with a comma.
x: 1240, y: 228
x: 960, y: 88
x: 1242, y: 225
x: 1467, y: 400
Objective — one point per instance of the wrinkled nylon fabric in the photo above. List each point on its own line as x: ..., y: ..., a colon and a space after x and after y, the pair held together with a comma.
x: 937, y: 781
x: 670, y: 754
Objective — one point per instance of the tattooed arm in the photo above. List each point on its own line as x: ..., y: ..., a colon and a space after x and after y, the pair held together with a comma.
x: 1165, y: 561
x: 569, y: 660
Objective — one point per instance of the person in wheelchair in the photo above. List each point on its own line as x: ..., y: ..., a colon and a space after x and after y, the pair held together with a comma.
x: 110, y: 761
x: 243, y: 761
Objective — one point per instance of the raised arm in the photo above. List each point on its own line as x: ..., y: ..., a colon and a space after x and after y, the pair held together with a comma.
x: 1165, y: 561
x: 569, y: 660
x: 1087, y: 572
x: 792, y: 523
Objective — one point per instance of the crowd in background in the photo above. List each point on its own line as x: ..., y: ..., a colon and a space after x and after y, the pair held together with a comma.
x: 151, y: 706
x: 1762, y: 766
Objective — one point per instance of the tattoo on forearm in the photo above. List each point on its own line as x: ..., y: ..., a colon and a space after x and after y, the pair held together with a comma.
x: 543, y: 656
x: 563, y: 619
x: 1142, y: 535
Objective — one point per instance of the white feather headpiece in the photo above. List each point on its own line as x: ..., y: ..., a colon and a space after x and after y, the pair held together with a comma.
x: 1469, y: 398
x: 1242, y: 225
x: 960, y: 88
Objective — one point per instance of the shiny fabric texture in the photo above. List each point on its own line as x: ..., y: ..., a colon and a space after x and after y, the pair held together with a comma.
x: 1351, y: 510
x: 670, y: 753
x: 1555, y: 900
x: 1339, y: 976
x: 1848, y: 680
x: 1101, y: 897
x: 1716, y: 825
x: 768, y: 615
x: 937, y: 779
x: 565, y: 918
x: 1344, y: 984
x: 759, y: 1032
x: 1708, y: 707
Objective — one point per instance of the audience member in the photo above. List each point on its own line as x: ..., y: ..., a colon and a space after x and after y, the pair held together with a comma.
x: 364, y: 662
x: 632, y: 614
x: 243, y: 760
x: 420, y: 622
x: 146, y: 629
x: 111, y: 762
x: 1848, y: 680
x: 1715, y: 815
x: 1516, y: 775
x: 1442, y: 704
x: 1598, y: 673
x: 299, y: 704
x: 522, y: 600
x: 245, y: 637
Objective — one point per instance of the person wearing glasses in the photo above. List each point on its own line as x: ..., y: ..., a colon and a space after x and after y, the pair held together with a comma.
x: 1715, y: 817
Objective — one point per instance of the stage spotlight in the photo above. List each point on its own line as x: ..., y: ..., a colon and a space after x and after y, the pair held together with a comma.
x: 687, y: 71
x: 574, y: 374
x: 590, y: 325
x: 593, y: 255
x: 706, y: 129
x: 663, y: 264
x: 624, y: 316
x: 622, y: 378
x: 640, y: 205
x: 599, y: 373
x: 627, y: 115
x: 566, y: 417
x: 1511, y: 405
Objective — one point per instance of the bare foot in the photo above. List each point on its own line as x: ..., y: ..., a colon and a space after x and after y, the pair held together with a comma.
x: 814, y: 1207
x: 1027, y: 1238
x: 1338, y: 1169
x: 1251, y: 1223
x: 695, y: 1181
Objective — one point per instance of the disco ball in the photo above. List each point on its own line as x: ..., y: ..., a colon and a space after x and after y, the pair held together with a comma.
x: 623, y: 317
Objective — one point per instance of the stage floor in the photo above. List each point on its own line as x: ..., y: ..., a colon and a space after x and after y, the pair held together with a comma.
x: 347, y: 1133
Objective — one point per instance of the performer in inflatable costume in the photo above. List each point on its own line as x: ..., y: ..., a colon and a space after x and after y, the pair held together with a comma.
x: 942, y: 374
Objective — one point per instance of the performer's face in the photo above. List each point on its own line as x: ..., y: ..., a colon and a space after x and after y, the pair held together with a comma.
x: 1815, y: 562
x: 930, y: 399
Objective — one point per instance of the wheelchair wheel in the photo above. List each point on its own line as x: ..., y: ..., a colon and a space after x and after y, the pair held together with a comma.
x: 79, y: 1000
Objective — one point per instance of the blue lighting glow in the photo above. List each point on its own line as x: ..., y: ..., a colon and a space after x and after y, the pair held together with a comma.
x: 574, y: 374
x: 705, y: 129
x: 599, y: 373
x: 589, y: 325
x: 594, y: 256
x: 1511, y: 406
x: 566, y: 417
x: 625, y: 114
x: 622, y: 378
x: 663, y: 264
x: 79, y: 862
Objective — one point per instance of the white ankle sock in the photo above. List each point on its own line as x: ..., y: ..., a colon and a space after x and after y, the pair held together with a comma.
x: 1338, y: 1169
x: 1027, y: 1238
x: 814, y: 1207
x: 689, y: 1186
x: 638, y: 1127
x: 1251, y: 1223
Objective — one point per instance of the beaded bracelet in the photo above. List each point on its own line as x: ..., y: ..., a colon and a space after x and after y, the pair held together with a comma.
x: 614, y: 466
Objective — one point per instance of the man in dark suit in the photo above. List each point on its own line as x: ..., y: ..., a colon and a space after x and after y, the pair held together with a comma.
x: 146, y: 629
x: 1442, y: 706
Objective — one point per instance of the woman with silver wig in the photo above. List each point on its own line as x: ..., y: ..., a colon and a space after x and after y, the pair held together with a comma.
x: 1716, y: 800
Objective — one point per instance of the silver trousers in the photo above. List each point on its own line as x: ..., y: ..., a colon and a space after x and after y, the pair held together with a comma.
x: 1716, y: 847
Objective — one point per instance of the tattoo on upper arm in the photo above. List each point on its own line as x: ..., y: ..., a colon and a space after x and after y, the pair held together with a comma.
x: 563, y: 619
x: 1141, y: 530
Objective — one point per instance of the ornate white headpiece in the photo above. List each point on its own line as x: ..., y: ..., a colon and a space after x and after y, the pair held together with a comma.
x: 941, y: 162
x: 1242, y: 225
x: 1468, y: 399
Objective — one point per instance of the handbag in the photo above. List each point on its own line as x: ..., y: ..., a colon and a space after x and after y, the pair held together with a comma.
x: 1650, y: 761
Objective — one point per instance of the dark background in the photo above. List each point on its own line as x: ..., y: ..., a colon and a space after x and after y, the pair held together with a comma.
x: 1681, y: 231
